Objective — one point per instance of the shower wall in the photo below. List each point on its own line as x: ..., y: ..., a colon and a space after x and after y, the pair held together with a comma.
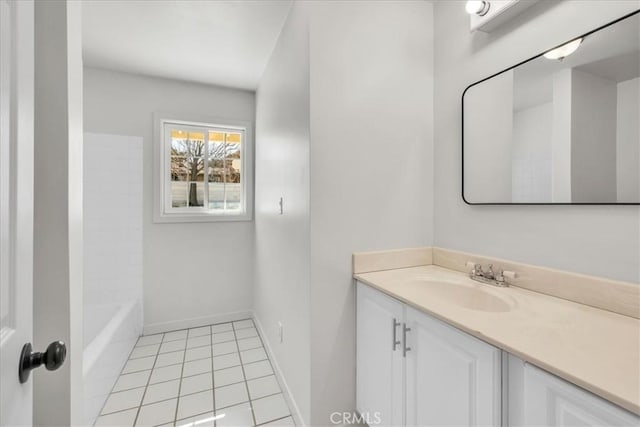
x: 112, y: 260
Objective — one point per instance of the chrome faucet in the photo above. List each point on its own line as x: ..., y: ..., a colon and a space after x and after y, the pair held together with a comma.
x: 489, y: 276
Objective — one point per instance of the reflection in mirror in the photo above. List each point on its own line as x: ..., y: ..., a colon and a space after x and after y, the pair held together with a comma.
x: 560, y: 128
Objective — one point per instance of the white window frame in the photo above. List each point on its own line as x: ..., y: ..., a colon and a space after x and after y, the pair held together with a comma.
x: 163, y: 212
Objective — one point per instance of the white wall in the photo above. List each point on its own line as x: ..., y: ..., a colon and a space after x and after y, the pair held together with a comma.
x: 531, y: 154
x: 561, y: 137
x: 112, y: 250
x: 363, y: 182
x: 628, y: 141
x: 371, y: 165
x: 281, y: 292
x: 593, y: 138
x: 192, y: 270
x: 598, y: 240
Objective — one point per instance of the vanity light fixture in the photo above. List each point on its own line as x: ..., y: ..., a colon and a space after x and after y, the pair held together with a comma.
x: 477, y: 7
x: 563, y: 51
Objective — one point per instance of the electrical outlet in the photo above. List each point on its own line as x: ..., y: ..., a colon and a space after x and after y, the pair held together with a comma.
x: 280, y: 337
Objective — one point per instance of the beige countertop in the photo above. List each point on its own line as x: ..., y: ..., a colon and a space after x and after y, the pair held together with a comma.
x: 593, y: 348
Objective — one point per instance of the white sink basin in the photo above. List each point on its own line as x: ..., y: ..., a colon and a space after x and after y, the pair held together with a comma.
x: 469, y: 296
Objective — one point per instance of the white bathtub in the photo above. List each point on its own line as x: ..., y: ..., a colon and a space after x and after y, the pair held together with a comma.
x: 111, y: 332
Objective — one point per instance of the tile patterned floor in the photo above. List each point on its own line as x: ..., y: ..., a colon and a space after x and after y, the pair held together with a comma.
x: 217, y: 375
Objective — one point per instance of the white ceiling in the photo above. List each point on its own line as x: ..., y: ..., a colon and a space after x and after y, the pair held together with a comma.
x: 226, y: 43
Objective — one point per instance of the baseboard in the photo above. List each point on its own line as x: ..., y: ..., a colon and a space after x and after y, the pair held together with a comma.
x: 174, y: 325
x: 297, y: 418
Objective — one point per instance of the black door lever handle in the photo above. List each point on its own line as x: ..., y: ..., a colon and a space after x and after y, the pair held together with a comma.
x: 52, y: 359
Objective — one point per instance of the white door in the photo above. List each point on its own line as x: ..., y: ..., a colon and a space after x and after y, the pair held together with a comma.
x: 379, y: 378
x: 551, y: 401
x: 452, y: 378
x: 16, y: 205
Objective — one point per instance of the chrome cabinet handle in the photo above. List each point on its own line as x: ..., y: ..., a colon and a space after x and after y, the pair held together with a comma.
x: 405, y: 349
x: 396, y: 342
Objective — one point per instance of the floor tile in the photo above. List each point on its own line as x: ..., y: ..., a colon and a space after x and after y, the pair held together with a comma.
x: 284, y: 422
x: 243, y: 324
x: 165, y: 373
x: 203, y: 420
x: 249, y: 343
x: 149, y: 339
x: 228, y: 376
x: 161, y: 391
x: 254, y: 355
x: 270, y: 408
x: 123, y: 400
x: 138, y: 365
x: 157, y: 413
x: 175, y: 335
x: 199, y: 341
x: 198, y: 332
x: 173, y: 358
x: 231, y: 395
x: 195, y: 404
x: 235, y: 416
x: 177, y: 366
x: 226, y: 361
x: 197, y: 353
x: 224, y: 337
x: 120, y: 419
x: 257, y: 369
x: 221, y: 327
x: 261, y: 387
x: 224, y: 348
x: 170, y: 346
x: 144, y: 351
x: 196, y: 367
x: 246, y: 333
x: 134, y: 380
x: 196, y: 383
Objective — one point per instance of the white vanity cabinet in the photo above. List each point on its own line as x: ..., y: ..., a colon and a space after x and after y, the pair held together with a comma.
x: 452, y: 378
x: 538, y: 398
x: 379, y: 363
x: 415, y: 370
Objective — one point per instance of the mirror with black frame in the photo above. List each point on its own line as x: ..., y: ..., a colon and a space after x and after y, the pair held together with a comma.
x: 560, y: 128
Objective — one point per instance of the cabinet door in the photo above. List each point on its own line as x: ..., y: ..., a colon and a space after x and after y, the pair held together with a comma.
x: 551, y: 401
x: 453, y: 379
x: 379, y: 361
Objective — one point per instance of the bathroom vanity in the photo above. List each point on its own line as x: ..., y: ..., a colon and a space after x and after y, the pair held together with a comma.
x: 436, y: 348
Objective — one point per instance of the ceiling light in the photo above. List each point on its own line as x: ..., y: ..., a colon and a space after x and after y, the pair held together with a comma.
x: 477, y: 7
x: 563, y: 51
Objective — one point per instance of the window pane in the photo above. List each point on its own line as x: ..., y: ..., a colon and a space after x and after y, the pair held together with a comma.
x: 234, y: 172
x: 206, y: 168
x: 187, y: 168
x: 216, y: 170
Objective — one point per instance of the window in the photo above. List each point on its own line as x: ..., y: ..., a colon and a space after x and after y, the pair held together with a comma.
x: 204, y: 171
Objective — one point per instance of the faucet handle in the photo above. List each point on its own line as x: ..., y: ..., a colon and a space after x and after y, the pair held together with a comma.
x: 509, y: 274
x: 476, y: 269
x: 504, y: 273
